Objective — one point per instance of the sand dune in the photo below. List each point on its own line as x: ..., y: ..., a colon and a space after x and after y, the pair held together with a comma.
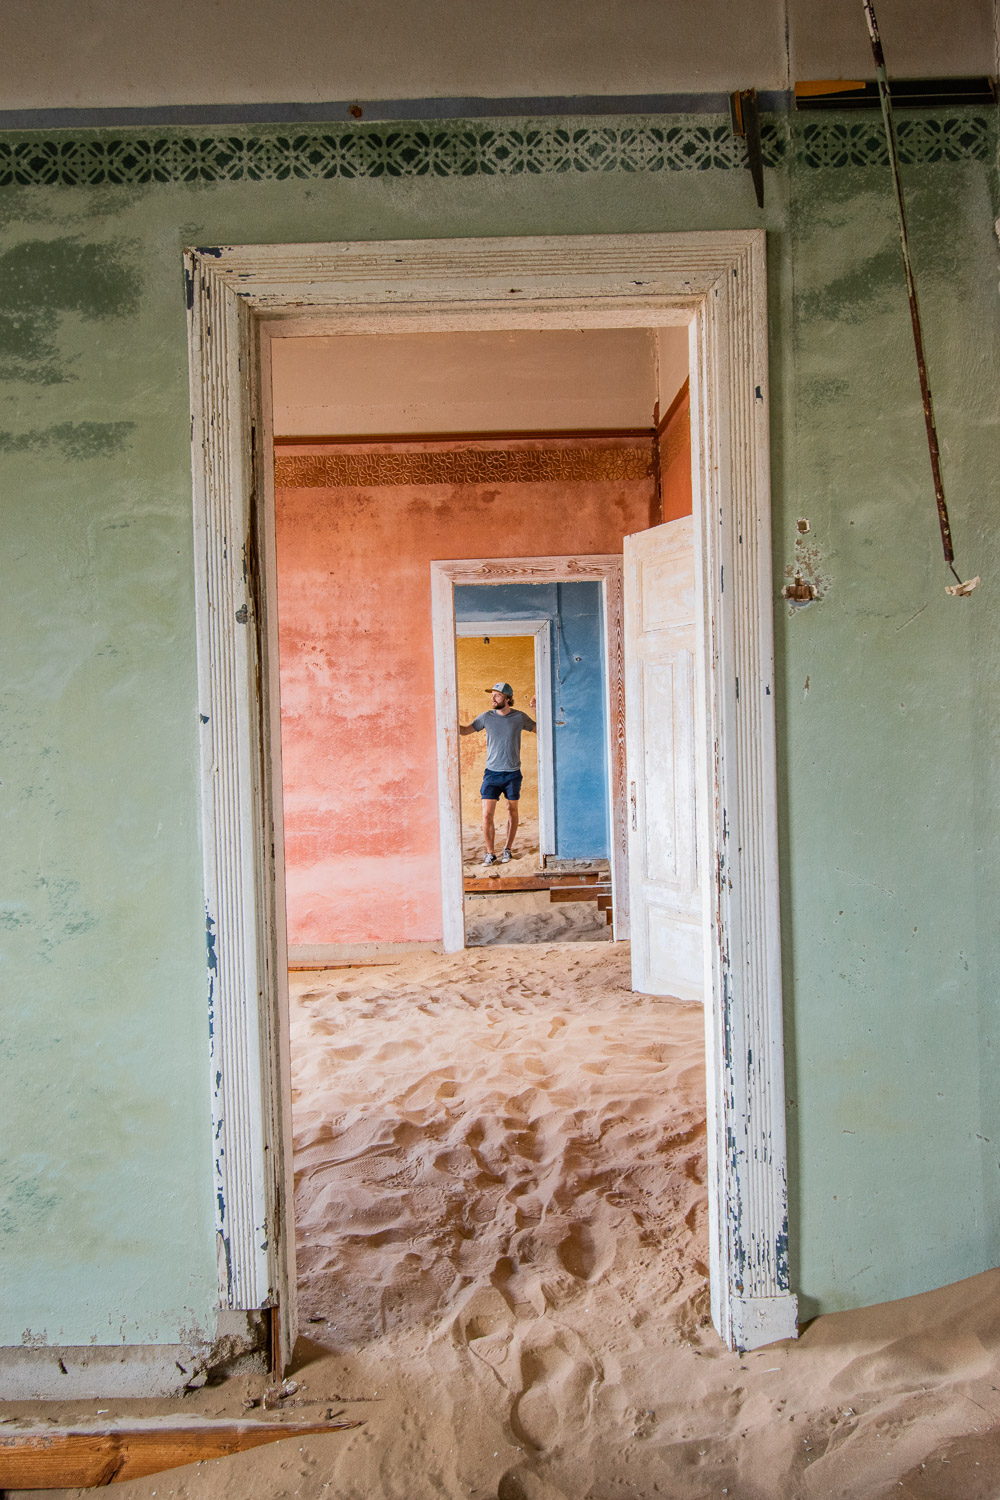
x: 502, y: 1235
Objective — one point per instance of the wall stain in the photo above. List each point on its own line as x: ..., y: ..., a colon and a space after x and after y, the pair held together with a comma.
x: 75, y: 440
x: 816, y: 391
x: 850, y: 298
x: 41, y: 281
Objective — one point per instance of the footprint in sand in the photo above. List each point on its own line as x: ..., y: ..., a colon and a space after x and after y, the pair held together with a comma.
x: 557, y: 1392
x: 521, y: 1484
x: 485, y: 1314
x: 584, y: 1254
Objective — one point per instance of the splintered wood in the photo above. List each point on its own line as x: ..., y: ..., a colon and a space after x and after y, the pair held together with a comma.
x: 89, y: 1460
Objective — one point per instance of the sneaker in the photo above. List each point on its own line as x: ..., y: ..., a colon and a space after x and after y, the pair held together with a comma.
x: 490, y: 859
x: 506, y: 857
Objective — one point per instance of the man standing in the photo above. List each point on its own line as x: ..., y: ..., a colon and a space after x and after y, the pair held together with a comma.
x: 502, y: 778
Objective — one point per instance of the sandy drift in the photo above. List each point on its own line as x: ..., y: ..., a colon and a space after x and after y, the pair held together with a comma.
x: 502, y: 1239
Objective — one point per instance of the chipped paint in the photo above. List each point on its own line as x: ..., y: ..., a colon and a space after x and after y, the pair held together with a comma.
x: 806, y: 577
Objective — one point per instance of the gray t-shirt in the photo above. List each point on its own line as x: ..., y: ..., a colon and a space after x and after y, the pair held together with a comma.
x: 503, y: 737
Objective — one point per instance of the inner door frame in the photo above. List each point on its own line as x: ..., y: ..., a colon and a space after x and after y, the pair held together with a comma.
x: 239, y: 296
x: 540, y: 631
x: 605, y: 570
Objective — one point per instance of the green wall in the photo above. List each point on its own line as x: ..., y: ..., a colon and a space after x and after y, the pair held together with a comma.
x: 887, y: 813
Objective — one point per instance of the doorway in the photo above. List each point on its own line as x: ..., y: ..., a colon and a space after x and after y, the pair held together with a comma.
x: 594, y: 766
x: 240, y: 298
x: 517, y: 652
x: 556, y: 883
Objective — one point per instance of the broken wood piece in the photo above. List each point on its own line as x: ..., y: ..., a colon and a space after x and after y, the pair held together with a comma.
x: 582, y: 893
x: 745, y: 117
x: 81, y: 1459
x: 962, y: 590
x: 800, y: 592
x: 497, y: 883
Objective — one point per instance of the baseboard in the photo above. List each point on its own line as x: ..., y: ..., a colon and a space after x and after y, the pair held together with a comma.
x: 123, y: 1371
x: 339, y: 955
x: 756, y: 1321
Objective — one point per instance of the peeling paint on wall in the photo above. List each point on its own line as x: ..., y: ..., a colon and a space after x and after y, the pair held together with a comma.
x: 44, y: 281
x: 74, y: 440
x: 806, y: 579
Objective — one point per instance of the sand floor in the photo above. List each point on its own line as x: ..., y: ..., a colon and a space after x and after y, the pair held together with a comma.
x: 526, y: 856
x: 502, y: 1232
x: 524, y: 916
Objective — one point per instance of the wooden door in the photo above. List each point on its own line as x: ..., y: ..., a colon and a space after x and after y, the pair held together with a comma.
x: 660, y: 748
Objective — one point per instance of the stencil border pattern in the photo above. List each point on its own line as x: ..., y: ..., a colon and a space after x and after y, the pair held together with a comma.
x: 575, y: 465
x: 103, y: 158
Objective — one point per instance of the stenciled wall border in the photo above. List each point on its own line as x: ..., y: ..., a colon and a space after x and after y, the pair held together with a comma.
x: 513, y: 465
x: 470, y: 148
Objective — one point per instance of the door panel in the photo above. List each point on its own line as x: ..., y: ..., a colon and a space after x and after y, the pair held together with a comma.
x: 664, y: 878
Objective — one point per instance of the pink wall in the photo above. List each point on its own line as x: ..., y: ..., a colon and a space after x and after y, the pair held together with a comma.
x: 357, y: 676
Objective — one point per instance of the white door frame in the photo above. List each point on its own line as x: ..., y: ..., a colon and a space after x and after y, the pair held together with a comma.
x: 445, y: 576
x: 541, y: 634
x: 238, y: 296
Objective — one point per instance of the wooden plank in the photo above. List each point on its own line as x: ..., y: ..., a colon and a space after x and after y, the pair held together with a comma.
x: 553, y: 864
x: 496, y: 883
x: 85, y: 1460
x: 590, y: 893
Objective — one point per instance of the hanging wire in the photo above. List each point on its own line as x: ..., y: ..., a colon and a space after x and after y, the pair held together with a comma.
x: 911, y: 292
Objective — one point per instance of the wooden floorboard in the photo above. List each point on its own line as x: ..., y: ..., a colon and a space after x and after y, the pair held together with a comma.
x: 542, y: 882
x: 52, y: 1460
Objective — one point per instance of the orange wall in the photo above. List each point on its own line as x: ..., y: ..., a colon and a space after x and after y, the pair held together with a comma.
x: 675, y: 460
x: 357, y: 673
x: 507, y: 658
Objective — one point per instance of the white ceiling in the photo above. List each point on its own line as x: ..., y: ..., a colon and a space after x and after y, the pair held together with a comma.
x: 474, y: 382
x: 94, y: 53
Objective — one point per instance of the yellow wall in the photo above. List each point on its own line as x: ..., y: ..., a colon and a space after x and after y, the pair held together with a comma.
x: 510, y: 659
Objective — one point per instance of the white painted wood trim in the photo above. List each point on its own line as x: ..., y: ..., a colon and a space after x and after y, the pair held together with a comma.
x: 648, y: 280
x: 601, y: 568
x: 541, y: 631
x: 449, y: 764
x: 282, y: 1258
x: 752, y: 1301
x: 613, y: 601
x: 236, y: 866
x: 544, y: 709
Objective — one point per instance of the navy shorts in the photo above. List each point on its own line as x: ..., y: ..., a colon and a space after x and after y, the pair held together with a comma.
x: 497, y: 784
